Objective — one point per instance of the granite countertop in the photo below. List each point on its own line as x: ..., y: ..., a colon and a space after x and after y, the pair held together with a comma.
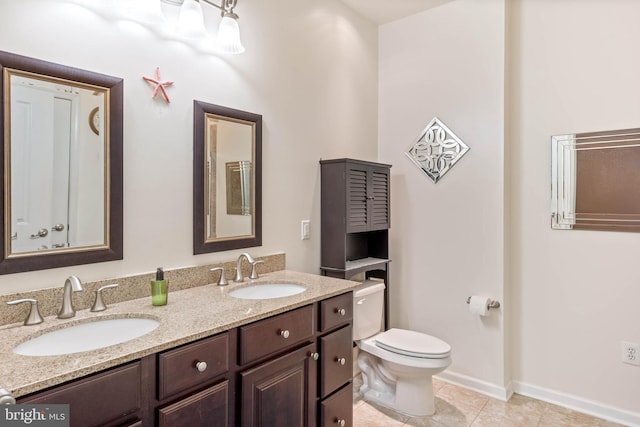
x: 190, y: 314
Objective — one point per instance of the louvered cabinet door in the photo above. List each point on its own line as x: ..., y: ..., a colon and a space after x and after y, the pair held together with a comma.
x: 358, y: 199
x: 379, y: 203
x: 367, y: 198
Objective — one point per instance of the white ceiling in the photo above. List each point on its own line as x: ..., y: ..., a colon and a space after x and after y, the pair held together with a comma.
x: 383, y: 11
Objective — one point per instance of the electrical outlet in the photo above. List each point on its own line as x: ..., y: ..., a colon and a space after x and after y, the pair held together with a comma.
x: 305, y: 231
x: 631, y: 353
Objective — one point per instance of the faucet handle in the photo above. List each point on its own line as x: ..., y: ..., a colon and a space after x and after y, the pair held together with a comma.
x: 254, y: 271
x: 223, y: 280
x: 99, y: 304
x: 34, y: 317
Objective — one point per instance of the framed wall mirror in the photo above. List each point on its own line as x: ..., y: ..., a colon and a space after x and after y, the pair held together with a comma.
x: 227, y: 178
x: 595, y: 181
x: 62, y: 165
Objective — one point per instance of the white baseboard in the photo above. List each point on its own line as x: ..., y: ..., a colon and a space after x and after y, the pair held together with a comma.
x: 484, y: 387
x: 577, y: 403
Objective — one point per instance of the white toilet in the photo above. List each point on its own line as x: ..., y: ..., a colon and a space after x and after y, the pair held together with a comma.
x: 397, y: 365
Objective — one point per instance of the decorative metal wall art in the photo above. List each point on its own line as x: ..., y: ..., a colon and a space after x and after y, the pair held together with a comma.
x: 436, y: 150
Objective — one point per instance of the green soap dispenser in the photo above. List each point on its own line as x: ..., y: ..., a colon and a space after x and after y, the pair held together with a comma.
x: 159, y: 289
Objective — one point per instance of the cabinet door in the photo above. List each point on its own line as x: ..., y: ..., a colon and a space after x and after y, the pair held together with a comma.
x: 357, y: 198
x: 379, y: 191
x: 280, y: 392
x: 209, y: 408
x: 368, y: 201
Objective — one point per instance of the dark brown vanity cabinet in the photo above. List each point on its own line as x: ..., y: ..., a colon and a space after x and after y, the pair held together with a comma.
x: 291, y: 369
x: 355, y: 219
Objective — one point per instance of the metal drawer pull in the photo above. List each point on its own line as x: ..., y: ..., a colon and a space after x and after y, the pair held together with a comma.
x: 201, y: 366
x: 314, y: 355
x: 340, y: 422
x: 284, y: 333
x: 341, y: 311
x: 341, y: 361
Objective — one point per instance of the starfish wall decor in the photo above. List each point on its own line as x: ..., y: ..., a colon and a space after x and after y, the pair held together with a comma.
x: 158, y: 85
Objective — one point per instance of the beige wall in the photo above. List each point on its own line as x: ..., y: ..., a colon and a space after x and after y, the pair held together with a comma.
x: 447, y: 238
x: 310, y: 69
x: 576, y: 292
x: 570, y: 297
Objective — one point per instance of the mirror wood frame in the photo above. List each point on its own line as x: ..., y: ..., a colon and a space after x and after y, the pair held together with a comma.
x: 115, y: 86
x: 200, y: 243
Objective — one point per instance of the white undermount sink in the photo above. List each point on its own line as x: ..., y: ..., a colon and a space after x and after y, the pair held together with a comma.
x: 267, y: 291
x: 90, y: 335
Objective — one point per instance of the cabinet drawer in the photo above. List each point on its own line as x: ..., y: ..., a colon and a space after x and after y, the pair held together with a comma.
x: 100, y: 399
x: 336, y: 311
x: 337, y: 408
x: 336, y: 360
x: 177, y: 368
x: 275, y: 333
x: 208, y: 408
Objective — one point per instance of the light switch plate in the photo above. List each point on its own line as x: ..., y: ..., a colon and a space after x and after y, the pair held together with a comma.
x: 305, y: 230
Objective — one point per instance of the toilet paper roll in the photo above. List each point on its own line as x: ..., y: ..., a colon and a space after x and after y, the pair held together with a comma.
x: 479, y: 305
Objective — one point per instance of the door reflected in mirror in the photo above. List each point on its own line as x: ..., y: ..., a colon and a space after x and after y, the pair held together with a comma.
x: 62, y: 165
x: 58, y: 188
x: 227, y: 178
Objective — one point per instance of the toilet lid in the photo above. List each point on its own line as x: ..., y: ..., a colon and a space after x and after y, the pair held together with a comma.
x: 412, y: 343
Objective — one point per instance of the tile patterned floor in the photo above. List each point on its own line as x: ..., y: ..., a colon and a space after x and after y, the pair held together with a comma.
x: 460, y: 407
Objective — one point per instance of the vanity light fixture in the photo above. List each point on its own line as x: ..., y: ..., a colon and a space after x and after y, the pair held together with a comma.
x: 191, y: 23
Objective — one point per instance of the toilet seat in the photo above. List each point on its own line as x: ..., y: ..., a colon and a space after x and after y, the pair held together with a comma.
x: 413, y: 344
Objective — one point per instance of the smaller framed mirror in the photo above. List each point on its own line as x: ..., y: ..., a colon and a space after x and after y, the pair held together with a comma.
x: 595, y: 181
x: 227, y: 178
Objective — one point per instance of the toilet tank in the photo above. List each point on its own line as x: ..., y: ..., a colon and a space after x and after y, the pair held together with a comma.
x: 368, y: 307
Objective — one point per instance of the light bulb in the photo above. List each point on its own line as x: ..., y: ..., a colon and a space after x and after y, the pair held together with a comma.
x: 191, y: 20
x: 229, y: 35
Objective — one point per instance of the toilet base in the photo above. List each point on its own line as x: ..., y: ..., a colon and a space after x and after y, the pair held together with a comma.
x: 396, y: 388
x: 414, y: 398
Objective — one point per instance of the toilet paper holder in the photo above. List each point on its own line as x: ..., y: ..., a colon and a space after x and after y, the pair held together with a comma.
x: 492, y: 303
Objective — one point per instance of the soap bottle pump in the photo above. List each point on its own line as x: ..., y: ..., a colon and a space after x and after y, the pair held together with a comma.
x: 159, y: 289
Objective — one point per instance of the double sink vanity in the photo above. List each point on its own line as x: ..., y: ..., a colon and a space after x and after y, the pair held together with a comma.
x: 272, y: 351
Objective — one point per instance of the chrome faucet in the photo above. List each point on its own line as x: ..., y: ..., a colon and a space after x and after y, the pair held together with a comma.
x: 239, y: 277
x: 71, y: 284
